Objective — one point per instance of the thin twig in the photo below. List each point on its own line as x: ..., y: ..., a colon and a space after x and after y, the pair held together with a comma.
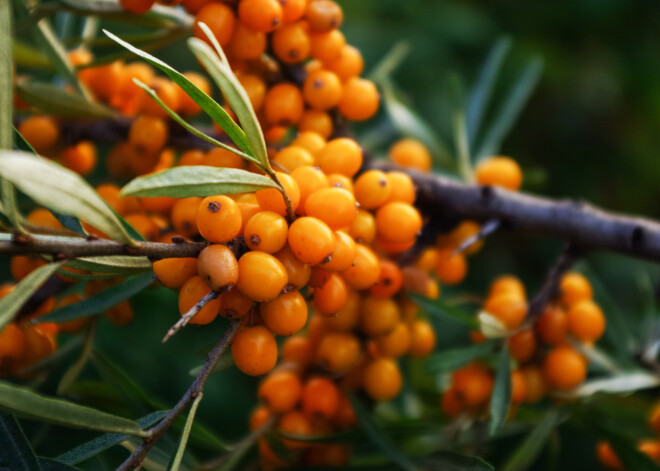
x: 290, y: 215
x: 192, y: 312
x: 137, y: 456
x: 486, y: 229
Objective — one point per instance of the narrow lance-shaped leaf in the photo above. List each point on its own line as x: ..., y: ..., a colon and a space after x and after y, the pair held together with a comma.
x: 451, y: 461
x: 16, y: 454
x: 449, y: 360
x: 529, y: 449
x: 73, y: 372
x: 6, y: 102
x: 185, y: 433
x: 500, y: 400
x: 99, y: 302
x: 390, y: 62
x: 62, y: 190
x: 25, y: 402
x: 120, y: 265
x: 439, y: 308
x: 48, y: 464
x: 14, y: 301
x: 198, y: 180
x: 236, y: 96
x: 55, y: 101
x: 210, y: 107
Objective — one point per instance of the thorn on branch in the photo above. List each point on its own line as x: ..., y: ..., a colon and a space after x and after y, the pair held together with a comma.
x: 185, y: 318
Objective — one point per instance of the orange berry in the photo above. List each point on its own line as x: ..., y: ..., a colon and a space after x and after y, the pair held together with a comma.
x: 298, y: 350
x: 255, y: 88
x: 322, y: 90
x: 396, y: 343
x: 285, y: 315
x: 507, y: 283
x: 143, y: 225
x: 341, y: 155
x: 310, y: 141
x: 291, y: 43
x: 422, y: 339
x: 359, y: 99
x: 137, y: 7
x: 294, y: 423
x: 535, y: 386
x: 654, y: 418
x: 365, y: 270
x: 254, y: 350
x: 320, y: 398
x: 382, y: 379
x: 261, y: 276
x: 22, y: 265
x: 338, y: 352
x: 327, y: 46
x: 363, y: 229
x: 347, y: 64
x: 311, y: 240
x: 499, y: 171
x: 552, y: 325
x: 80, y: 158
x: 574, y: 288
x: 309, y: 179
x: 260, y: 15
x: 219, y: 219
x: 235, y: 304
x: 316, y: 121
x: 148, y: 134
x: 298, y: 272
x: 586, y: 321
x: 174, y: 272
x: 473, y: 384
x: 344, y: 254
x: 522, y: 345
x: 188, y: 106
x: 12, y: 347
x: 246, y: 44
x: 167, y: 91
x: 372, y: 189
x: 44, y: 219
x: 390, y: 280
x: 191, y: 292
x: 508, y: 308
x: 402, y: 188
x: 281, y: 391
x: 347, y: 318
x: 518, y: 387
x: 184, y: 216
x: 379, y: 316
x: 283, y: 104
x: 158, y: 204
x: 411, y: 153
x: 266, y: 231
x: 337, y: 180
x: 220, y: 20
x: 271, y: 199
x: 293, y: 157
x: 398, y: 222
x: 323, y: 15
x: 607, y: 457
x: 332, y: 296
x: 334, y: 206
x: 564, y: 368
x: 217, y: 266
x: 41, y: 132
x: 259, y: 417
x: 452, y: 405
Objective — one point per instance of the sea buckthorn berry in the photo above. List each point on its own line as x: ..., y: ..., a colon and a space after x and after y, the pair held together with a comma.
x: 402, y: 188
x: 184, y: 216
x: 143, y: 225
x: 450, y: 269
x: 535, y: 386
x: 254, y: 350
x: 309, y: 180
x: 283, y: 104
x: 451, y: 404
x: 345, y: 416
x: 338, y: 352
x: 281, y: 391
x: 271, y: 199
x: 293, y: 157
x: 246, y: 44
x: 316, y: 121
x: 552, y: 325
x: 255, y: 88
x: 586, y: 321
x: 220, y: 20
x: 322, y: 90
x: 43, y: 218
x: 311, y: 240
x: 223, y: 158
x: 298, y: 350
x: 398, y: 222
x: 122, y: 314
x: 248, y: 207
x: 192, y: 157
x: 518, y: 387
x: 80, y: 158
x: 337, y: 180
x: 193, y: 6
x: 395, y: 343
x: 259, y: 417
x: 298, y: 272
x: 22, y: 265
x: 285, y: 315
x: 158, y: 204
x: 473, y: 384
x: 411, y: 153
x: 390, y: 280
x: 365, y: 270
x: 327, y: 46
x: 218, y: 267
x: 508, y: 308
x: 191, y: 292
x: 654, y: 418
x: 291, y: 43
x: 41, y: 132
x: 137, y: 7
x: 347, y: 318
x: 174, y: 272
x: 607, y: 457
x: 363, y: 229
x: 499, y: 171
x: 334, y: 206
x: 235, y: 304
x: 393, y: 248
x: 12, y: 346
x: 372, y: 189
x: 379, y: 316
x: 187, y: 105
x: 332, y: 296
x: 382, y: 379
x: 427, y: 260
x: 219, y: 219
x: 310, y: 141
x: 295, y: 423
x: 169, y: 94
x: 38, y: 344
x: 344, y: 254
x: 564, y: 368
x: 650, y: 448
x: 148, y: 134
x: 341, y: 155
x: 260, y: 15
x: 359, y: 99
x: 293, y: 10
x: 266, y: 231
x: 422, y: 339
x: 507, y: 283
x: 574, y: 288
x: 347, y: 64
x: 522, y: 345
x: 323, y: 15
x: 320, y: 398
x: 261, y: 276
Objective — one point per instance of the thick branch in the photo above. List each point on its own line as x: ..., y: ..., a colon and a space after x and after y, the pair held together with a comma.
x: 196, y: 388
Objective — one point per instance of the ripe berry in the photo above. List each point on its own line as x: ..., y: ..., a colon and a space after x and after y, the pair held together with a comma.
x: 188, y: 106
x: 80, y: 158
x: 344, y: 254
x: 246, y: 44
x: 260, y: 15
x: 218, y: 267
x: 395, y: 343
x: 12, y: 346
x: 518, y: 387
x: 535, y: 385
x: 294, y: 423
x: 316, y: 121
x: 552, y: 325
x: 327, y: 46
x: 508, y: 308
x: 507, y: 283
x: 499, y: 171
x: 389, y: 281
x: 341, y: 155
x: 191, y: 292
x: 255, y: 88
x: 338, y: 352
x: 266, y: 231
x: 174, y: 272
x: 331, y: 296
x: 148, y: 134
x: 422, y: 339
x: 283, y: 104
x: 379, y: 316
x: 363, y: 229
x: 254, y: 350
x: 334, y: 206
x: 41, y: 132
x: 223, y: 158
x: 137, y: 7
x: 261, y: 276
x: 359, y: 99
x: 411, y: 153
x: 347, y: 64
x: 574, y: 288
x: 311, y: 240
x: 291, y: 43
x: 285, y: 315
x: 281, y: 391
x: 382, y: 379
x: 586, y: 321
x: 322, y: 90
x: 348, y: 317
x: 320, y: 398
x: 564, y: 368
x: 473, y: 384
x: 235, y: 304
x: 522, y: 345
x: 219, y: 219
x: 298, y: 272
x: 309, y: 179
x: 309, y: 140
x: 298, y: 350
x: 271, y: 199
x: 259, y: 417
x: 365, y: 270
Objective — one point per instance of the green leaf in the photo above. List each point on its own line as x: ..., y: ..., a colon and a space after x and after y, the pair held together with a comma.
x: 62, y: 190
x: 185, y: 433
x: 210, y: 107
x: 48, y: 464
x: 76, y: 368
x: 23, y: 401
x: 21, y: 144
x: 500, y: 401
x: 377, y: 436
x: 189, y: 127
x: 10, y: 205
x: 197, y: 180
x: 449, y: 360
x: 621, y: 383
x: 25, y: 55
x: 16, y: 454
x: 99, y: 444
x: 56, y: 101
x: 436, y: 307
x: 412, y: 125
x: 236, y: 96
x: 528, y: 450
x: 100, y: 302
x: 390, y: 62
x: 451, y: 461
x: 480, y: 95
x: 514, y: 102
x: 14, y: 301
x: 6, y: 95
x: 119, y: 265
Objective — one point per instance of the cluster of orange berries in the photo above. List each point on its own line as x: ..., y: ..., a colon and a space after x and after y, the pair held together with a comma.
x: 544, y: 352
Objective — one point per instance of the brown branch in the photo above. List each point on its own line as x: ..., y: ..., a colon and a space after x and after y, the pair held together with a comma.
x: 192, y: 312
x: 196, y: 388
